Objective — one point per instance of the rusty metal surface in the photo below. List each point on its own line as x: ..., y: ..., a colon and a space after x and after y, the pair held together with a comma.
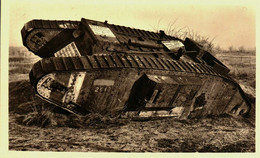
x: 93, y: 66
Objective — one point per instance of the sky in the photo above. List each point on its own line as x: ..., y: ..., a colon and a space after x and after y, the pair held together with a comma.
x: 228, y: 24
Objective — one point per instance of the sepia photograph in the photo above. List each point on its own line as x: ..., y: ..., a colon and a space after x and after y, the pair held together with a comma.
x: 128, y: 77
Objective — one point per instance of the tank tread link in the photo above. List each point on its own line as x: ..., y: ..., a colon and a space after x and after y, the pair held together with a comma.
x: 137, y: 86
x: 92, y: 66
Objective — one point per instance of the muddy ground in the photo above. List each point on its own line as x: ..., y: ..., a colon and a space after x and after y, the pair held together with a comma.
x: 218, y: 134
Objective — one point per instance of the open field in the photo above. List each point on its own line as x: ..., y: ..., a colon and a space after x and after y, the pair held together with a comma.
x: 242, y: 66
x: 35, y: 125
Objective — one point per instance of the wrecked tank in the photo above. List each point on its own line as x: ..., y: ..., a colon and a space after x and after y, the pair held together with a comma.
x: 91, y: 66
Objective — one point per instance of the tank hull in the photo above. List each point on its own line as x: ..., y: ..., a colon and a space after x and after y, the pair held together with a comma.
x: 77, y: 85
x: 91, y: 66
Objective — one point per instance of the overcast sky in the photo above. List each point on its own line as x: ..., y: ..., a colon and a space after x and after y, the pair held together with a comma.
x: 229, y: 25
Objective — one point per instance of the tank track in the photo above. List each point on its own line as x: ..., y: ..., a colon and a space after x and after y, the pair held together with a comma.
x: 37, y: 33
x: 51, y: 28
x: 49, y: 74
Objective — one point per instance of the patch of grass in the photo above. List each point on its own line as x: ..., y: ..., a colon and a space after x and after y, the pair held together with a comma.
x: 21, y: 60
x: 215, y: 134
x: 242, y: 65
x: 46, y: 116
x: 243, y: 72
x: 40, y: 118
x: 17, y: 59
x: 20, y: 70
